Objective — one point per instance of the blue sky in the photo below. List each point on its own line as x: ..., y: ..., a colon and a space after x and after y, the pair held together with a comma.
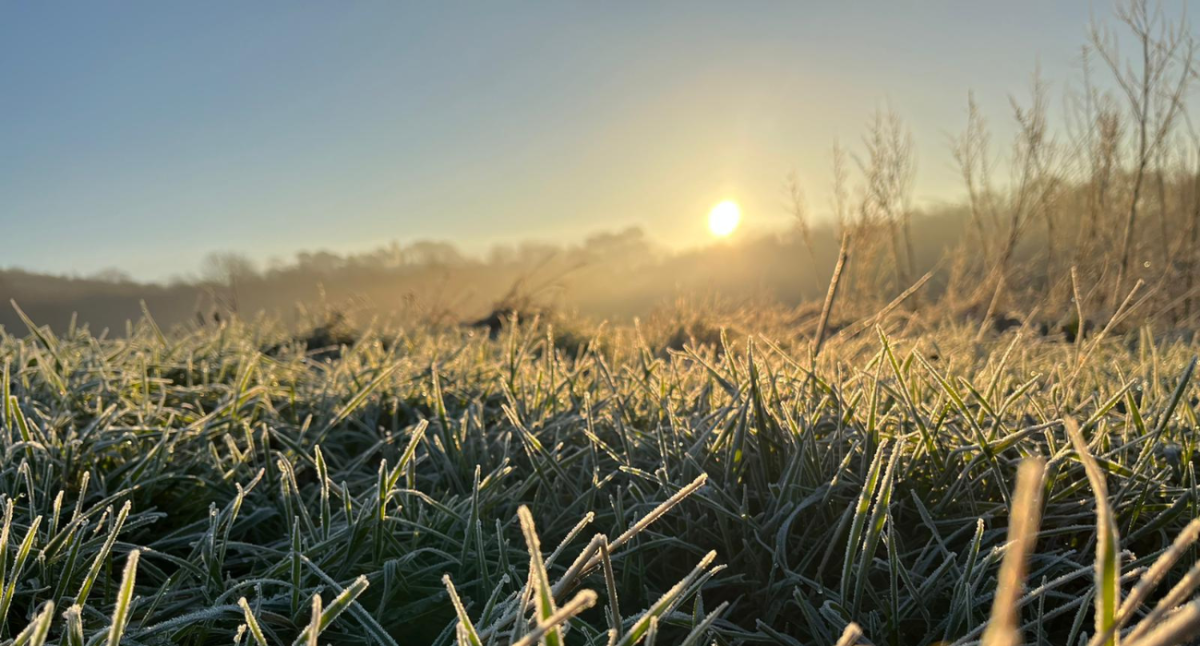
x: 143, y: 135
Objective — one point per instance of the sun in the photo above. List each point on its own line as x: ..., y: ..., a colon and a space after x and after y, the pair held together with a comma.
x: 724, y: 218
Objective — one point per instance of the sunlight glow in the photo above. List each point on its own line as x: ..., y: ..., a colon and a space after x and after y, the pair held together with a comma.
x: 724, y: 218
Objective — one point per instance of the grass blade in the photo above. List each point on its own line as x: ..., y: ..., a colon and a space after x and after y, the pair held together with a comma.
x: 124, y: 600
x: 1108, y: 566
x: 1003, y: 627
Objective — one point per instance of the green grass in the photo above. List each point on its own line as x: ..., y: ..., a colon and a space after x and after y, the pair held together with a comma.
x: 430, y: 486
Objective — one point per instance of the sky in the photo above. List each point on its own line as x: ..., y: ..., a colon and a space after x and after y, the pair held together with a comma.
x: 145, y: 135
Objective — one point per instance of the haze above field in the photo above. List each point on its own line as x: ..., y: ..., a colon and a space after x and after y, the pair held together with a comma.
x: 144, y: 135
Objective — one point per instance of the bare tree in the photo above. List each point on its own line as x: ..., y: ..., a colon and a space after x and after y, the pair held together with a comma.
x: 1032, y: 162
x: 798, y: 208
x: 840, y: 198
x: 228, y: 271
x: 1193, y: 195
x: 1154, y: 84
x: 970, y: 150
x: 888, y: 170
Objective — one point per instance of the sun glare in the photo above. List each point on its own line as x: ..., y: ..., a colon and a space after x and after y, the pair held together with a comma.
x: 724, y: 218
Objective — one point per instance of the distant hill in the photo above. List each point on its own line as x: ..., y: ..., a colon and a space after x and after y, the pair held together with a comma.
x: 610, y: 275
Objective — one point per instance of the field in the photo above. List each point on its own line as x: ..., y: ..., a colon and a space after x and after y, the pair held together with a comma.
x: 222, y: 484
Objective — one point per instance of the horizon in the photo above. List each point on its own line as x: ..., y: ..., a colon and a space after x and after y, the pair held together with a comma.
x: 162, y: 134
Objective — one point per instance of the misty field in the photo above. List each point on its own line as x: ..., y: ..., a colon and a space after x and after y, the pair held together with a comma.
x: 428, y: 485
